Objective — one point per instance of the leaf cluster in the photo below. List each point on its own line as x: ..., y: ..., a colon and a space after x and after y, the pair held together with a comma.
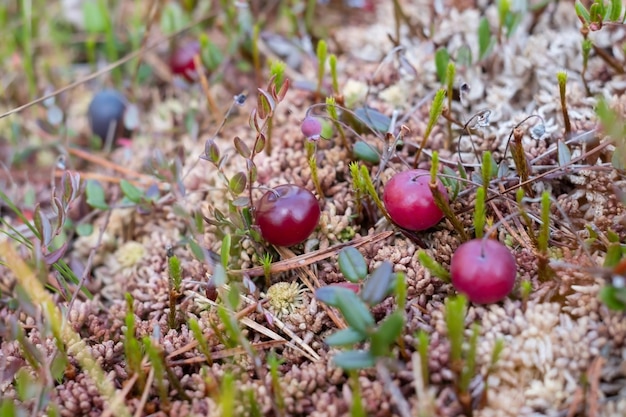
x: 355, y: 308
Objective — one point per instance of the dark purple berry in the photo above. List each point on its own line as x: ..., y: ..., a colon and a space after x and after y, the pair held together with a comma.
x: 106, y: 114
x: 484, y: 270
x: 287, y: 215
x: 409, y: 201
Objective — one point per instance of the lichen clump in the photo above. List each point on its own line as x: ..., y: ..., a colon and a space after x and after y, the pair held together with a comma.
x: 284, y: 298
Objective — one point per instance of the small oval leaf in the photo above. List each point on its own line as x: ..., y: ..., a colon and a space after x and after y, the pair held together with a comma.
x: 386, y: 334
x: 563, y: 153
x: 365, y: 152
x: 131, y: 192
x: 373, y: 119
x: 260, y: 143
x: 354, y: 359
x: 43, y: 226
x: 331, y: 294
x: 352, y: 264
x: 243, y: 201
x: 241, y: 147
x: 211, y: 151
x: 356, y: 313
x: 265, y: 104
x: 237, y: 183
x: 95, y: 195
x: 376, y: 287
x: 345, y: 337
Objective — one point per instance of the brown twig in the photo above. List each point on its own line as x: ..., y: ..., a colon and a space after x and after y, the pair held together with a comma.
x: 311, y: 257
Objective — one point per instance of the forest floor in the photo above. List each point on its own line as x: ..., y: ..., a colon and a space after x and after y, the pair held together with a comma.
x: 241, y: 349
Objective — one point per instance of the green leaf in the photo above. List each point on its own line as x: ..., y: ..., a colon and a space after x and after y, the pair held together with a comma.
x: 225, y: 250
x: 211, y: 151
x: 372, y: 119
x: 84, y: 229
x: 173, y: 18
x: 376, y: 287
x: 237, y: 183
x: 442, y: 57
x: 131, y: 192
x: 241, y: 147
x: 387, y: 334
x: 94, y: 20
x: 95, y: 195
x: 450, y: 182
x: 512, y: 22
x: 356, y: 313
x: 265, y: 104
x: 43, y: 226
x: 345, y: 337
x: 613, y: 255
x: 614, y: 298
x: 210, y: 54
x: 456, y: 308
x: 464, y: 56
x: 331, y: 294
x: 504, y: 7
x: 365, y: 152
x: 564, y: 156
x: 433, y: 266
x: 582, y: 12
x: 354, y: 359
x: 352, y: 264
x: 485, y: 40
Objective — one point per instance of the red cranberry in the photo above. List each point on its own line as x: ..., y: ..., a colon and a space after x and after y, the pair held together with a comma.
x: 409, y: 201
x: 182, y: 60
x: 484, y: 270
x: 287, y: 215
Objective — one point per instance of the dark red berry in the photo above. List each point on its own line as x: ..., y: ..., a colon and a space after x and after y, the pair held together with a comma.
x: 287, y: 215
x: 484, y: 270
x: 182, y: 60
x: 311, y: 128
x: 410, y: 202
x: 106, y: 114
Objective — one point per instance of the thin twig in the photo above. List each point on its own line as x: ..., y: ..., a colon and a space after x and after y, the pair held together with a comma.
x: 311, y: 257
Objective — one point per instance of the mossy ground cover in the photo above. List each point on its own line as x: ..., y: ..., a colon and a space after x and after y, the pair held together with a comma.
x: 134, y: 279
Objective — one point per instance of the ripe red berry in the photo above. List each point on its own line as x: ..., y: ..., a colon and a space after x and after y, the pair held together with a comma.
x: 409, y: 201
x: 287, y: 215
x: 181, y: 60
x: 106, y: 113
x: 484, y: 270
x: 311, y: 128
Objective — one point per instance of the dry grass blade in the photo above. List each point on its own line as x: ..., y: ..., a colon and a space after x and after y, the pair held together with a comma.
x: 306, y: 349
x: 221, y: 354
x: 107, y: 163
x: 307, y: 276
x: 144, y: 395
